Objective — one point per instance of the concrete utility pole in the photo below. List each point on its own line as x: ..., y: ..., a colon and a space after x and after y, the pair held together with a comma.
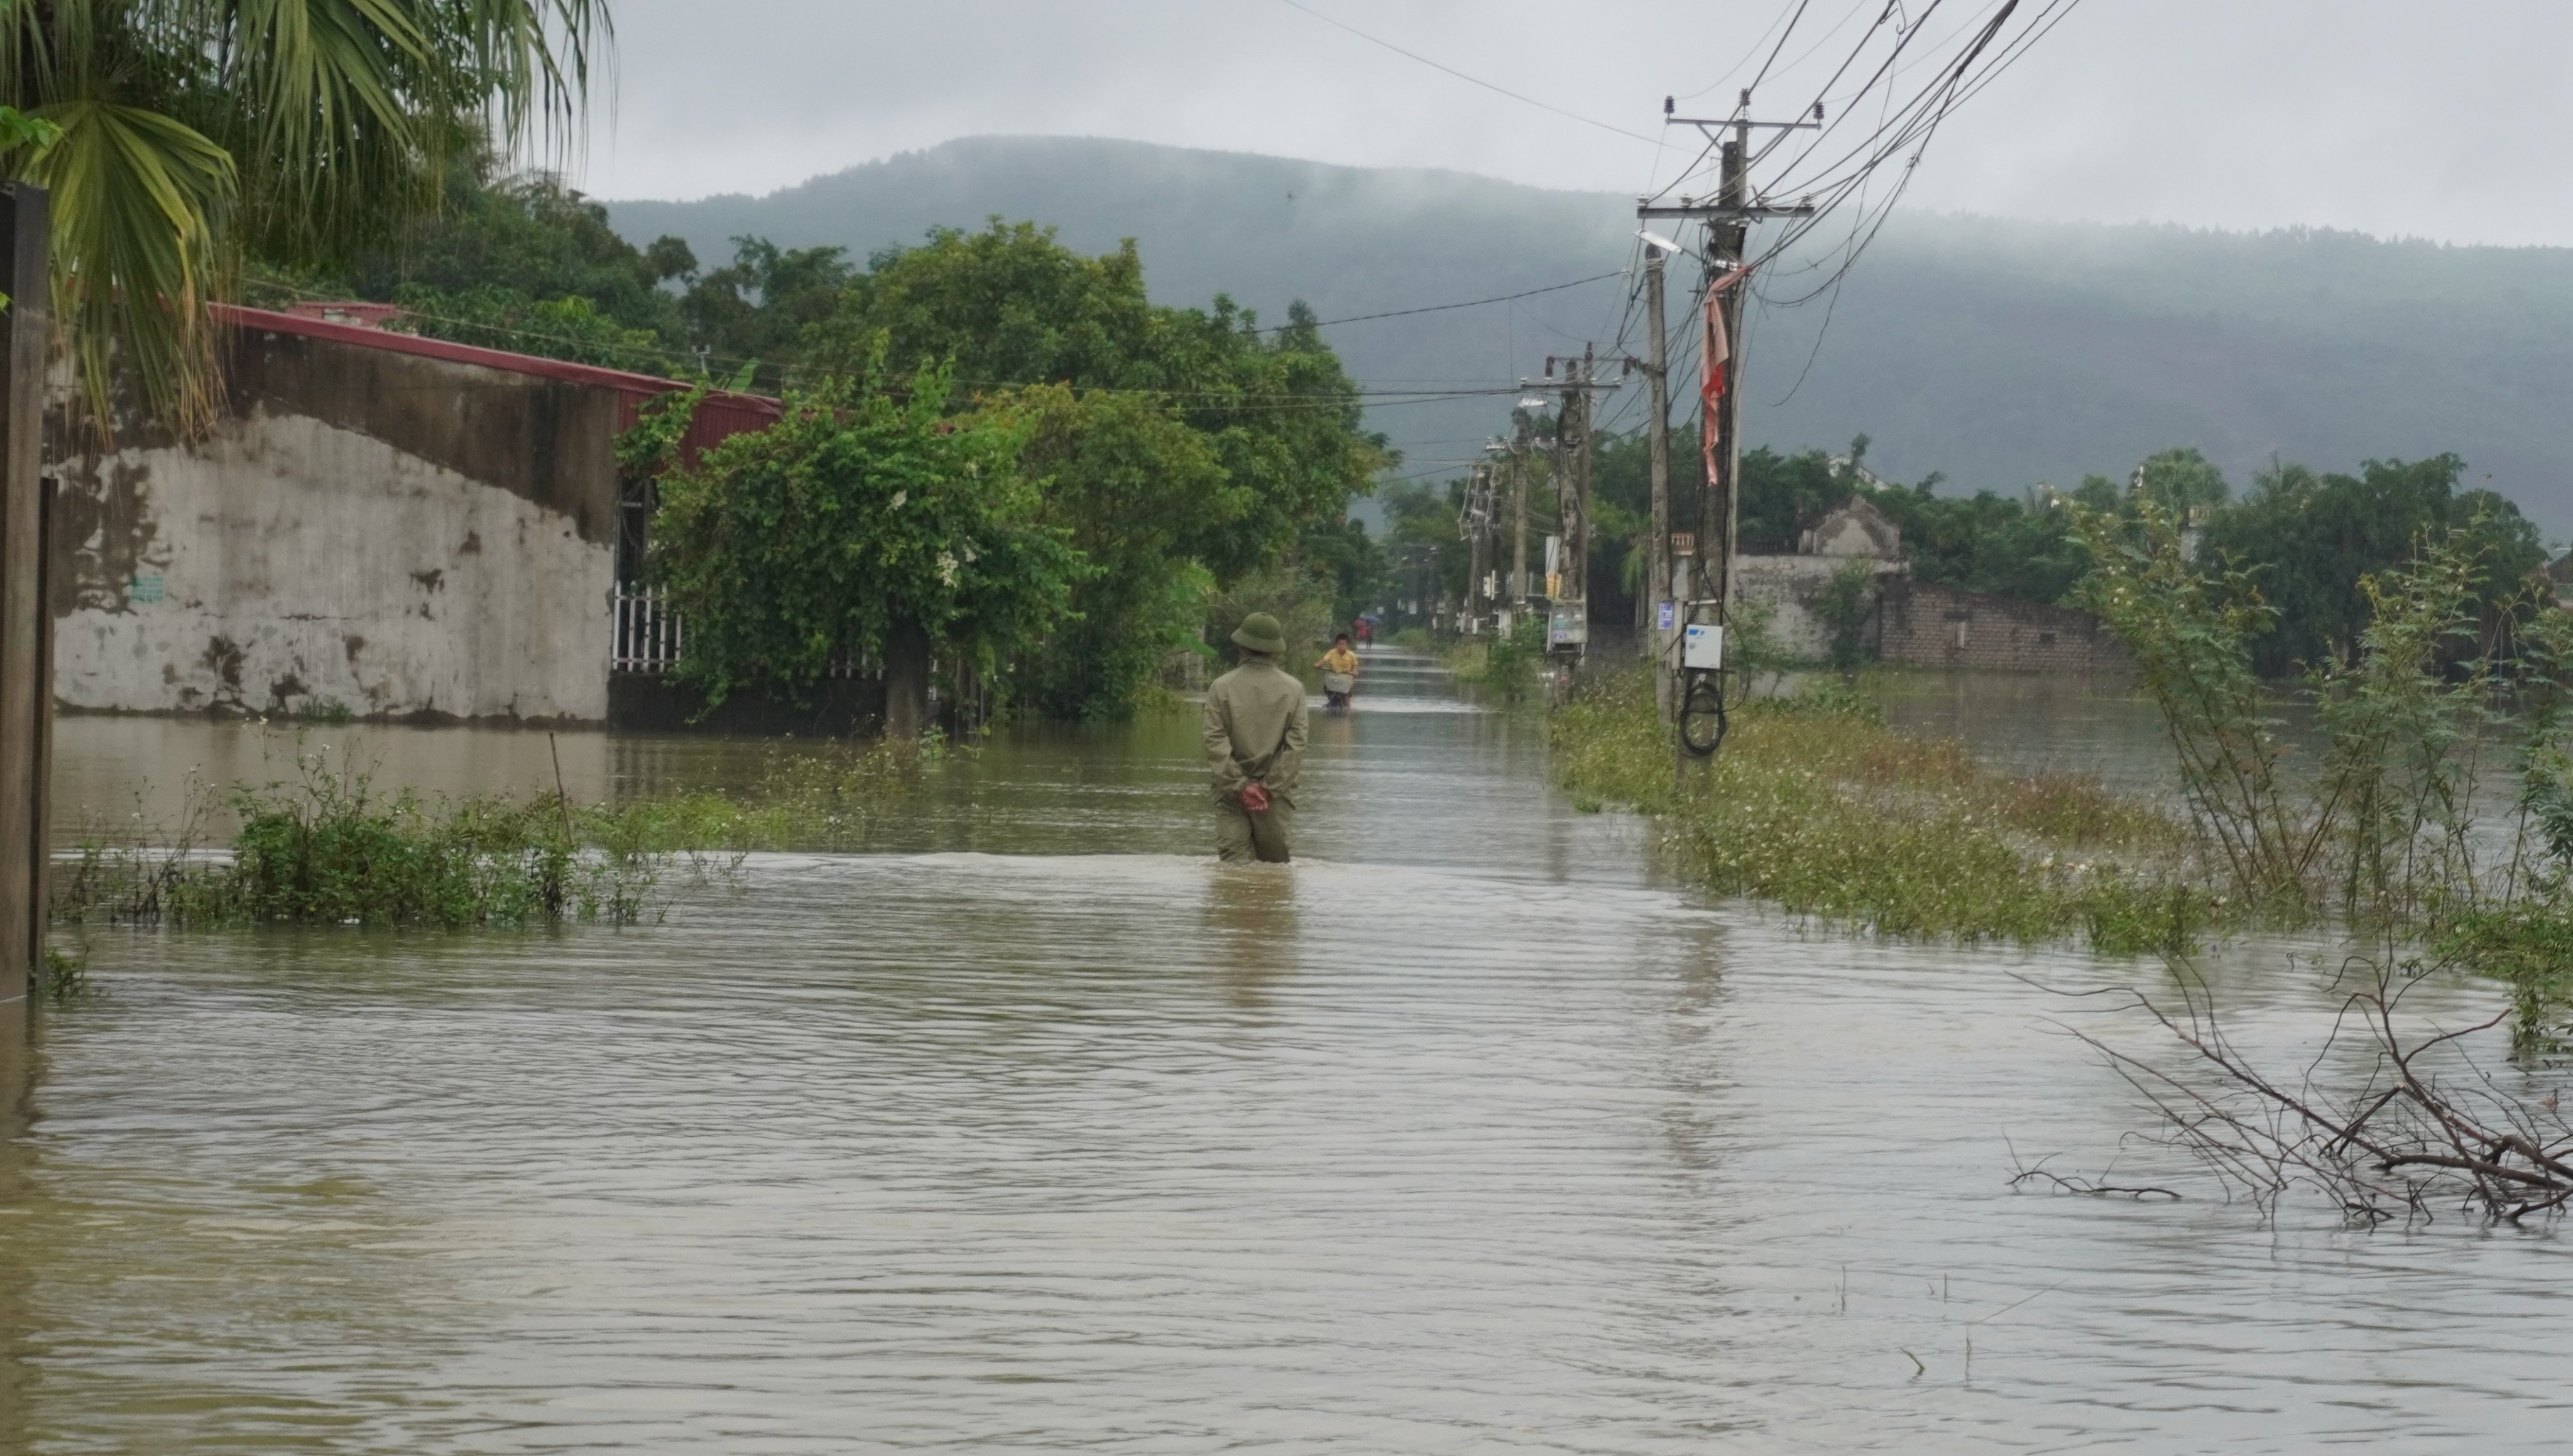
x: 1729, y: 217
x: 1657, y: 557
x: 1568, y: 614
x: 1474, y: 523
x: 1519, y: 513
x: 1573, y: 442
x: 1719, y: 511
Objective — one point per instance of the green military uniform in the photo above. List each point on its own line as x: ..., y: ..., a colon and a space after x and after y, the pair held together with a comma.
x: 1255, y: 734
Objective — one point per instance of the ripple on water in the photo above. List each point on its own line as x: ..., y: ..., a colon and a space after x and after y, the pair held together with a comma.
x: 1426, y: 1144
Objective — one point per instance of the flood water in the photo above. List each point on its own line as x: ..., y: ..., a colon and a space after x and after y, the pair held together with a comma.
x: 1039, y: 1130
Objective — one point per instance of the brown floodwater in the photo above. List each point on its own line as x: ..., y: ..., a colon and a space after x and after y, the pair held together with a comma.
x: 1036, y: 1130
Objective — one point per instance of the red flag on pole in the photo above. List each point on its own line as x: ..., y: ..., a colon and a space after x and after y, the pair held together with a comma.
x: 1717, y: 366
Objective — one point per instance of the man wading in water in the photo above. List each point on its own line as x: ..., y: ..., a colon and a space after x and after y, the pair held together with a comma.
x: 1255, y: 738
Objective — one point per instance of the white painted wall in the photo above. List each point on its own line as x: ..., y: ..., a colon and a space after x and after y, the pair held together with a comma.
x: 297, y: 563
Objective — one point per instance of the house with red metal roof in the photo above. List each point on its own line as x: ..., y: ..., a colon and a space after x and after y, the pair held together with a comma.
x: 397, y: 527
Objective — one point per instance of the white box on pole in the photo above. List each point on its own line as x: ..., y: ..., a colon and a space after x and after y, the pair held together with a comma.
x: 1702, y: 647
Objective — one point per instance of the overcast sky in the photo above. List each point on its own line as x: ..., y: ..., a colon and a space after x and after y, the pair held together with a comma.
x: 2426, y: 120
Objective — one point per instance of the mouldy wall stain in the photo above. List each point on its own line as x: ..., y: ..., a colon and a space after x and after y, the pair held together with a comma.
x: 407, y: 537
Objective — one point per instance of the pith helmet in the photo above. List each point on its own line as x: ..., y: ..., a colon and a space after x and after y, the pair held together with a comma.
x: 1259, y: 634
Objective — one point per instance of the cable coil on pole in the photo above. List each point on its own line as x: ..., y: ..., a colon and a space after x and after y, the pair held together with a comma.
x: 1702, y: 717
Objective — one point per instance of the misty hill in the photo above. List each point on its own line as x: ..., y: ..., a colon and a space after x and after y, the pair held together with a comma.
x: 2000, y: 352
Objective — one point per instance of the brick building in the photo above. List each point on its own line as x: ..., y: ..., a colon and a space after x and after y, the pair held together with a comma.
x: 1921, y: 624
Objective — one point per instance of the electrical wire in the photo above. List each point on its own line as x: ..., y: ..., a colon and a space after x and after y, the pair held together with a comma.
x: 1443, y: 308
x: 1731, y: 71
x: 1472, y: 80
x: 1780, y: 46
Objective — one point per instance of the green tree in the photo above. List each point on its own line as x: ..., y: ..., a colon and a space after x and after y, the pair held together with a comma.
x: 2308, y: 542
x: 1845, y: 603
x: 1988, y: 543
x: 859, y: 526
x: 2184, y: 480
x: 1353, y: 562
x: 535, y: 238
x: 191, y: 136
x: 1176, y: 445
x: 570, y: 328
x: 1130, y: 486
x: 756, y: 309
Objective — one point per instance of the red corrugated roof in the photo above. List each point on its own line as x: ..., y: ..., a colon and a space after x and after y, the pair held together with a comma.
x: 722, y: 414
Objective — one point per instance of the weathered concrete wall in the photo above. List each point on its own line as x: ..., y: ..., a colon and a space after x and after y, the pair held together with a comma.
x: 1791, y: 585
x: 400, y: 535
x: 1925, y: 625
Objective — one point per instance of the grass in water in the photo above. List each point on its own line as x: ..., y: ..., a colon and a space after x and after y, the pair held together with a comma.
x: 1816, y: 805
x: 327, y: 848
x: 1504, y: 667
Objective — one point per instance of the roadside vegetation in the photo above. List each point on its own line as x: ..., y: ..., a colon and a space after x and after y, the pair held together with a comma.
x: 2435, y: 815
x: 2437, y: 820
x: 329, y: 848
x: 1817, y: 807
x: 1503, y: 668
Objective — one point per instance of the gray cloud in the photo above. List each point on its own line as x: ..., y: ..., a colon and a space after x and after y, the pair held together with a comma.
x: 2389, y: 118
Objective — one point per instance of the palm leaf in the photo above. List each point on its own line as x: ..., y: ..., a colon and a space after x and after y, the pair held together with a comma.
x: 296, y: 131
x: 139, y: 200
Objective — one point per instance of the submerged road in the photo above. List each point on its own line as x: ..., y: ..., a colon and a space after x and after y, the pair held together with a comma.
x: 1039, y: 1130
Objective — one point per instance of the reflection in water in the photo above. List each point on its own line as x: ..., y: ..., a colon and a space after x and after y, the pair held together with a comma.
x: 1039, y: 1130
x: 20, y: 1201
x: 1251, y: 926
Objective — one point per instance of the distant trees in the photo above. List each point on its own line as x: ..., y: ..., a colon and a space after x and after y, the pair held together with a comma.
x: 1174, y: 450
x: 2305, y: 541
x: 2310, y: 541
x: 523, y: 263
x: 1168, y: 451
x: 1177, y: 447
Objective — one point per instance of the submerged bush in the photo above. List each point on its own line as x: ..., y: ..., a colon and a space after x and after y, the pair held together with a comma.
x: 328, y: 849
x: 1506, y: 665
x: 1816, y: 805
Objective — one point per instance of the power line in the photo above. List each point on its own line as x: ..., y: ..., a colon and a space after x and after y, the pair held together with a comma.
x: 1780, y: 46
x: 1738, y: 65
x: 1443, y: 308
x: 1474, y: 80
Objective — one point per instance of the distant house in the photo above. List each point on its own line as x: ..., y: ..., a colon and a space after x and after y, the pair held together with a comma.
x: 397, y: 527
x: 1925, y: 624
x: 1917, y: 623
x: 1853, y: 531
x: 2559, y: 576
x: 1855, y: 527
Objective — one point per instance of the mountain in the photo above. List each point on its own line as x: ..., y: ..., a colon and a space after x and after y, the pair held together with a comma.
x: 2001, y: 354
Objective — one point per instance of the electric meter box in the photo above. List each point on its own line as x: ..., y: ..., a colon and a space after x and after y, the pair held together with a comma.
x: 1568, y: 624
x: 1702, y: 647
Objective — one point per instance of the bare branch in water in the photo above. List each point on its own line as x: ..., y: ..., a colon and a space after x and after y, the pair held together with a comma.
x: 2417, y: 1128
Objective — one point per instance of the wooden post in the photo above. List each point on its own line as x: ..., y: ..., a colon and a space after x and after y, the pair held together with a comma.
x: 26, y: 618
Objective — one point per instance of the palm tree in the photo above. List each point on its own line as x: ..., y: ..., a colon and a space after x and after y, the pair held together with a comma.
x: 188, y: 136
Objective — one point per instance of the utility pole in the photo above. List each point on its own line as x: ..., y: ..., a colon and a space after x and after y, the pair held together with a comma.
x: 1657, y: 556
x: 1712, y: 587
x: 1474, y: 523
x: 1519, y: 448
x: 1568, y: 614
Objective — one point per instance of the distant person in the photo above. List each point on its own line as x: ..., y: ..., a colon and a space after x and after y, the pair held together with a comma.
x: 1255, y: 740
x: 1367, y: 632
x: 1339, y: 674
